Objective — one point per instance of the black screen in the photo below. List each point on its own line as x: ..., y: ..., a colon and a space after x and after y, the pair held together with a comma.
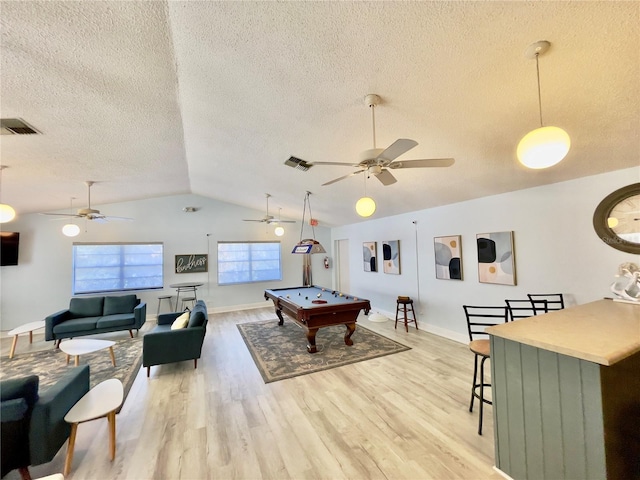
x: 9, y: 243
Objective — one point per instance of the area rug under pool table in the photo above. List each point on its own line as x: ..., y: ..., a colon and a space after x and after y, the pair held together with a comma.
x: 280, y: 352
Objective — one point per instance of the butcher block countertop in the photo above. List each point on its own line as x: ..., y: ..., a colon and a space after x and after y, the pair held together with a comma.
x: 603, y: 332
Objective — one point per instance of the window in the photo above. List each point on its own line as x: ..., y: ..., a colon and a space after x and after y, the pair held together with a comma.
x: 247, y: 262
x: 108, y: 267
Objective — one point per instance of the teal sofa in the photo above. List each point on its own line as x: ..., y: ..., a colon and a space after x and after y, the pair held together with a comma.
x: 90, y: 315
x: 33, y: 426
x: 162, y: 345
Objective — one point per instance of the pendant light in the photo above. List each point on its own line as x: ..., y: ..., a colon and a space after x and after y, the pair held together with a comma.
x: 308, y: 245
x: 365, y: 207
x: 7, y: 213
x: 71, y: 229
x: 279, y: 230
x: 544, y: 146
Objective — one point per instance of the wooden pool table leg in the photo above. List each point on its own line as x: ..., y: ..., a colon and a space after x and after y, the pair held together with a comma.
x: 311, y: 338
x: 351, y: 327
x: 279, y: 314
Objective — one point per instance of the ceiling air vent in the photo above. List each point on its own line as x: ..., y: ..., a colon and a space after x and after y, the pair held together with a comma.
x: 16, y: 126
x: 298, y: 163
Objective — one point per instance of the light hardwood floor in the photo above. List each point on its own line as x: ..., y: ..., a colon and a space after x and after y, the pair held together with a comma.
x: 403, y: 416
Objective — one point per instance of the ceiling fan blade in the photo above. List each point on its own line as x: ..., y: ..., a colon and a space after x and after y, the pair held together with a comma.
x: 396, y: 149
x: 335, y: 163
x: 124, y: 219
x: 68, y: 215
x: 246, y: 220
x: 424, y: 163
x: 386, y: 178
x: 342, y: 178
x: 280, y: 221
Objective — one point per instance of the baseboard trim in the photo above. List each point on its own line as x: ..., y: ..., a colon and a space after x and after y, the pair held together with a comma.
x: 500, y: 472
x: 441, y: 332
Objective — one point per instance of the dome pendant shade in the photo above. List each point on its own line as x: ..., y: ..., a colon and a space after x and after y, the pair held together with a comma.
x: 365, y: 207
x: 543, y: 147
x: 7, y: 213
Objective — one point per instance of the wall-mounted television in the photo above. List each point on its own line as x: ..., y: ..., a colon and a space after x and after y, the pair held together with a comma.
x: 9, y: 243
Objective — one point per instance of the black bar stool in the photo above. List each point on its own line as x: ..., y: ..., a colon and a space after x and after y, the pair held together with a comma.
x: 405, y: 304
x: 164, y: 297
x: 187, y: 300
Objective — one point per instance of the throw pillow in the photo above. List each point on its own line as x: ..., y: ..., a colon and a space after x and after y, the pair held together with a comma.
x: 181, y: 321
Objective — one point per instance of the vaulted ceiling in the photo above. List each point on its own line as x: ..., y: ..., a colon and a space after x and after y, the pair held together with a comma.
x: 158, y: 98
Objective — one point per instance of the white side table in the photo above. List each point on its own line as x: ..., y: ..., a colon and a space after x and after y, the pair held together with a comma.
x: 82, y: 346
x: 27, y: 327
x: 101, y: 401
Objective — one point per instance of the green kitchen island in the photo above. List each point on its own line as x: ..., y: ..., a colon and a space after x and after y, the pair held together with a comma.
x: 566, y: 393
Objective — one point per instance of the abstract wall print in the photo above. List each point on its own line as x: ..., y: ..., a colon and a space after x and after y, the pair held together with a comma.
x: 369, y: 256
x: 448, y: 254
x: 391, y: 256
x: 496, y: 259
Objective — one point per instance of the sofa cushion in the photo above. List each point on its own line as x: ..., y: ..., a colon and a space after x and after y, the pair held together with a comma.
x: 197, y: 317
x: 160, y: 329
x: 76, y: 325
x: 13, y: 410
x: 86, y: 307
x: 119, y: 304
x: 118, y: 320
x: 180, y: 322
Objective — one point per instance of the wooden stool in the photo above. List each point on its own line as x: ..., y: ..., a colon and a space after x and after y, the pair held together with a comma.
x: 164, y: 297
x: 404, y: 301
x: 188, y: 299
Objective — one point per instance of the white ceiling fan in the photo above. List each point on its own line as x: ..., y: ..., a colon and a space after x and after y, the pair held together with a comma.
x: 88, y: 213
x: 378, y: 161
x: 269, y: 218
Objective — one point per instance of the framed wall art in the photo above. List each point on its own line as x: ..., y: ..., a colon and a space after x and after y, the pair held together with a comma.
x: 369, y: 256
x: 192, y: 263
x: 496, y: 259
x: 391, y: 256
x: 448, y: 257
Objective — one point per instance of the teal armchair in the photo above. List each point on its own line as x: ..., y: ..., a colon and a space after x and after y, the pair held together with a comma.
x: 163, y: 345
x: 33, y: 426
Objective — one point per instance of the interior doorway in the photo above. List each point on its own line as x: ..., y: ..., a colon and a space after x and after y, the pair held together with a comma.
x: 343, y: 282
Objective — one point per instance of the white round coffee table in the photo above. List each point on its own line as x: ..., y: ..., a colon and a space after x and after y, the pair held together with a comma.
x: 27, y: 327
x: 101, y: 401
x: 82, y: 346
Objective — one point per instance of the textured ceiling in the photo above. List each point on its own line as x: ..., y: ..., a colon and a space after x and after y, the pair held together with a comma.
x: 157, y: 98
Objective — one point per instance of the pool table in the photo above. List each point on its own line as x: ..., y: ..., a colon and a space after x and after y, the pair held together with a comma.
x: 315, y: 307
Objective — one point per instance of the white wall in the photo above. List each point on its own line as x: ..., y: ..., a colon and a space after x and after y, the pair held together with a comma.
x: 556, y: 250
x: 41, y: 283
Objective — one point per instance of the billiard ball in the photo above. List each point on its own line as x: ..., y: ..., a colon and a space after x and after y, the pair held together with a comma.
x: 288, y: 296
x: 319, y: 295
x: 342, y: 295
x: 306, y: 298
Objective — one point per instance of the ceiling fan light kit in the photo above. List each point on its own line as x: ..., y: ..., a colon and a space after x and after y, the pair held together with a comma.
x: 543, y: 147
